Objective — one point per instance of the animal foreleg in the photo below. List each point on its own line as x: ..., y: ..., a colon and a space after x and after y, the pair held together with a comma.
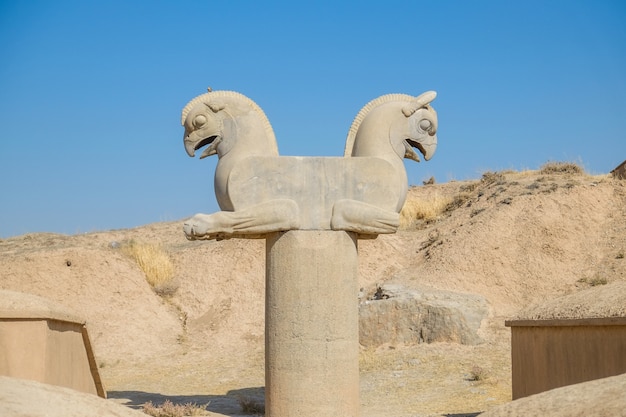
x: 357, y: 216
x: 254, y: 221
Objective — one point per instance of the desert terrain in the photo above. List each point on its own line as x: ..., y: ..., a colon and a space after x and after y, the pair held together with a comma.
x: 512, y: 240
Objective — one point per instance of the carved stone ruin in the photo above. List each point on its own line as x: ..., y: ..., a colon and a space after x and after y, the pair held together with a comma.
x: 620, y: 171
x: 43, y: 341
x: 311, y: 211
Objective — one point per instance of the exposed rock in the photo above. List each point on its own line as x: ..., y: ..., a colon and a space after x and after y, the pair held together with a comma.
x: 408, y: 316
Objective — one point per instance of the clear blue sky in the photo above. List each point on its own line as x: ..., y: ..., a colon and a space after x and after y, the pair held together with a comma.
x: 91, y: 92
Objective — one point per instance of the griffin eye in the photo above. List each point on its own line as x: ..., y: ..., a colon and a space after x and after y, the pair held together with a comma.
x: 425, y: 125
x: 199, y: 121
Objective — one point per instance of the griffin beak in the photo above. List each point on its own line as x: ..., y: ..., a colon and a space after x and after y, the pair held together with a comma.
x: 426, y: 146
x: 192, y: 144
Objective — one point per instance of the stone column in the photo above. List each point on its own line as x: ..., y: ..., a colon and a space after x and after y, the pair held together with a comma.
x: 311, y: 330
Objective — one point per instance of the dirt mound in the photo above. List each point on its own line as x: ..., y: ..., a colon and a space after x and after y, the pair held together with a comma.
x: 19, y: 397
x: 601, y: 301
x: 514, y: 239
x: 600, y: 398
x: 15, y: 304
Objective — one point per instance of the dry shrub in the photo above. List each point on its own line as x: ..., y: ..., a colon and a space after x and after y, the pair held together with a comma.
x: 427, y: 210
x: 594, y: 281
x: 169, y: 409
x: 477, y: 373
x: 458, y: 201
x: 156, y: 265
x: 251, y: 405
x: 561, y: 168
x: 468, y: 188
x: 492, y: 177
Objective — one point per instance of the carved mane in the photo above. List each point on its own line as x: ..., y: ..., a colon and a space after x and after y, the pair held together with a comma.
x: 354, y: 128
x: 206, y: 97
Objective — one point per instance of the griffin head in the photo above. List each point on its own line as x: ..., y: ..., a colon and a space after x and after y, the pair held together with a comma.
x: 422, y: 127
x: 202, y: 128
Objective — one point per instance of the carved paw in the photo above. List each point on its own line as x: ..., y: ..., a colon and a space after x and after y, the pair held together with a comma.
x: 206, y: 227
x: 363, y: 218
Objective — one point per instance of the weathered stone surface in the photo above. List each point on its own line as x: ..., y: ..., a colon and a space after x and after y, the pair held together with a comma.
x: 43, y: 341
x: 315, y: 184
x: 260, y: 192
x: 407, y: 316
x: 312, y: 349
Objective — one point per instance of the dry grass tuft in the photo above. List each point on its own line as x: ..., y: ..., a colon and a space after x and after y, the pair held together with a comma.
x: 369, y: 360
x: 594, y: 281
x: 169, y: 409
x: 477, y: 373
x: 426, y: 210
x: 492, y: 177
x: 156, y: 264
x: 458, y: 201
x: 561, y: 168
x: 251, y: 405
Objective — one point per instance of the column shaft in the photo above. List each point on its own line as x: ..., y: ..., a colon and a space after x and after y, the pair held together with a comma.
x: 311, y: 324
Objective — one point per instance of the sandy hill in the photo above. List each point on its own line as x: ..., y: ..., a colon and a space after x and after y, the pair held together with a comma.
x: 515, y: 238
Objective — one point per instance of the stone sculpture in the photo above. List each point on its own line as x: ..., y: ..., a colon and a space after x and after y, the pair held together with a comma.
x: 311, y: 211
x: 260, y: 192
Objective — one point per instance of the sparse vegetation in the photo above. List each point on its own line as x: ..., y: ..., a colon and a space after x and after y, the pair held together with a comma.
x: 594, y: 281
x: 458, y: 201
x: 476, y: 212
x: 620, y: 255
x: 169, y: 409
x: 376, y: 360
x: 250, y: 405
x: 156, y: 265
x: 492, y: 177
x: 550, y: 188
x: 561, y: 168
x: 477, y: 373
x: 468, y: 188
x: 426, y: 210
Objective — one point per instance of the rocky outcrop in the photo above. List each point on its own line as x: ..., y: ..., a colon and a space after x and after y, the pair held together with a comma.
x: 398, y: 315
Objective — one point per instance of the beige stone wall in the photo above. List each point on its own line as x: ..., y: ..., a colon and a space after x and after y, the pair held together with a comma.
x: 48, y: 351
x: 548, y: 354
x: 620, y: 171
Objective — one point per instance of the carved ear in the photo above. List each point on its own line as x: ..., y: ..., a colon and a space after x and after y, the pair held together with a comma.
x: 408, y: 110
x: 215, y: 107
x: 420, y: 101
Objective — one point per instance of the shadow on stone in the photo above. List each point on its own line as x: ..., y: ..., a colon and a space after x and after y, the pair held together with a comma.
x: 231, y: 404
x: 463, y: 414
